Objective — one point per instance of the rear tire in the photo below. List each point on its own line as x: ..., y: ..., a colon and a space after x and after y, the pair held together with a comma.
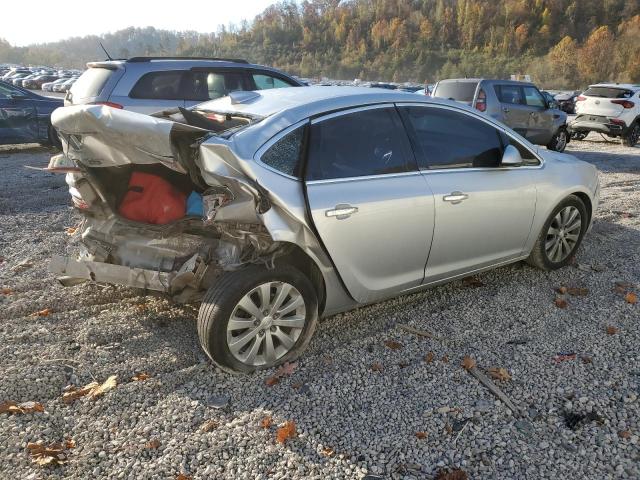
x: 632, y: 136
x: 242, y: 342
x: 559, y: 141
x: 559, y: 238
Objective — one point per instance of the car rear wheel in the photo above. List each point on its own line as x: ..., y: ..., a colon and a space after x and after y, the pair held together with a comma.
x: 559, y: 141
x: 561, y: 235
x: 632, y: 137
x: 256, y: 318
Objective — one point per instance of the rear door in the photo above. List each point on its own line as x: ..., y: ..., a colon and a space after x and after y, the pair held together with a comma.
x: 370, y: 205
x: 515, y: 112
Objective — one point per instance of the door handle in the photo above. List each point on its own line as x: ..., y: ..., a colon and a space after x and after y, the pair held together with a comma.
x: 455, y: 197
x: 341, y: 211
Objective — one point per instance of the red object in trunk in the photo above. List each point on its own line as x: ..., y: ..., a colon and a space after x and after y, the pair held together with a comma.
x: 151, y: 199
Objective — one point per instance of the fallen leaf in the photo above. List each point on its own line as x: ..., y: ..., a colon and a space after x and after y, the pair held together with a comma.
x: 624, y: 214
x: 631, y: 298
x: 445, y: 358
x: 19, y: 408
x: 43, y: 455
x: 182, y: 476
x: 499, y: 374
x: 152, y: 444
x: 93, y: 390
x: 69, y: 443
x: 448, y: 428
x: 42, y: 313
x: 297, y: 385
x: 328, y: 452
x: 71, y: 230
x: 472, y: 282
x: 376, y: 367
x: 109, y: 384
x: 141, y: 307
x: 286, y: 369
x: 468, y: 363
x: 626, y: 434
x: 271, y: 381
x: 209, y: 425
x: 611, y: 330
x: 287, y: 431
x: 622, y: 287
x: 421, y: 435
x: 563, y: 357
x: 7, y: 291
x: 393, y: 345
x: 560, y: 302
x: 429, y: 357
x: 455, y: 474
x: 140, y: 376
x: 586, y: 359
x: 562, y: 290
x: 578, y: 292
x: 266, y: 422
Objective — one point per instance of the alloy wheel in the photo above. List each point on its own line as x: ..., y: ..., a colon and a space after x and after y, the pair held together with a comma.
x: 561, y: 140
x: 563, y: 234
x: 266, y: 323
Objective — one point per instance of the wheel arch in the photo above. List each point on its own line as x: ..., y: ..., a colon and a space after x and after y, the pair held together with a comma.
x: 587, y: 203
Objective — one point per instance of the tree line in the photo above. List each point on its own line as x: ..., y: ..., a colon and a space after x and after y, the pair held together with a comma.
x: 560, y: 43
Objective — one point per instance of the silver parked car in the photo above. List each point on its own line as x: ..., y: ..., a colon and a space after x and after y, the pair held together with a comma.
x: 520, y: 105
x: 314, y: 201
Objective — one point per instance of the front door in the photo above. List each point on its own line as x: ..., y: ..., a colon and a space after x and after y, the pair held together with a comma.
x: 483, y: 212
x: 515, y: 112
x: 370, y: 205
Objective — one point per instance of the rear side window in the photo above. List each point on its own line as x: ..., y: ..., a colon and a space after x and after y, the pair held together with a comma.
x: 203, y: 85
x: 159, y: 86
x: 448, y: 139
x: 509, y: 94
x: 266, y: 82
x: 91, y: 82
x: 608, y: 92
x: 458, y: 91
x: 284, y: 155
x: 368, y: 142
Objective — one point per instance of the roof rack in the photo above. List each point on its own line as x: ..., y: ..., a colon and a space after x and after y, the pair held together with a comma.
x: 148, y: 59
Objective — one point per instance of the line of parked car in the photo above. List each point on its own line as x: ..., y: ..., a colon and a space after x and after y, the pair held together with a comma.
x: 39, y: 78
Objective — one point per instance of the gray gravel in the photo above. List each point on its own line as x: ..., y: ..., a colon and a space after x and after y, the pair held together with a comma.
x: 368, y: 418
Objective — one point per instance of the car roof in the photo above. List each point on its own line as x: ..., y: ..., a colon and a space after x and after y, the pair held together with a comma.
x: 161, y: 63
x: 628, y: 86
x: 486, y: 80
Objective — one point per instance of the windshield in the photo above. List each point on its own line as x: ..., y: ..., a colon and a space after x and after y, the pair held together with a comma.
x: 454, y: 90
x: 608, y: 92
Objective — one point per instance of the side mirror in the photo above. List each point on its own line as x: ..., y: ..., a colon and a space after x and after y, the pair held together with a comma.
x: 511, y: 157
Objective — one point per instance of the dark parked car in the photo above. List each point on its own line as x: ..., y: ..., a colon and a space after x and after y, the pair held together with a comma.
x: 25, y: 117
x: 567, y: 102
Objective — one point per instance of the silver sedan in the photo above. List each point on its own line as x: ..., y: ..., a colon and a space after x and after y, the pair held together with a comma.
x: 312, y: 201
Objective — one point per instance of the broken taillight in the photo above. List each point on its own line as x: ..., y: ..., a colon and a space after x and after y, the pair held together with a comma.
x: 481, y: 101
x: 581, y: 98
x: 624, y: 103
x: 109, y: 104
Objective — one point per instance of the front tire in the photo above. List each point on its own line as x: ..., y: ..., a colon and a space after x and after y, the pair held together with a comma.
x: 256, y: 318
x: 632, y: 137
x: 559, y: 141
x: 561, y: 235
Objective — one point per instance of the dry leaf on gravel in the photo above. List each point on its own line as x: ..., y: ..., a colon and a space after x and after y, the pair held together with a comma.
x: 182, y: 476
x: 421, y: 435
x: 472, y: 282
x: 287, y: 431
x: 69, y: 443
x: 92, y: 390
x: 266, y: 422
x: 468, y: 363
x: 297, y: 385
x: 578, y: 292
x: 376, y: 367
x: 71, y: 230
x: 139, y: 377
x: 611, y: 330
x: 19, y: 408
x: 44, y: 455
x: 271, y: 381
x: 429, y: 357
x: 393, y: 345
x: 626, y: 434
x: 152, y: 444
x: 328, y: 452
x: 560, y: 302
x: 7, y: 291
x: 563, y: 357
x: 631, y: 298
x: 622, y: 287
x: 562, y: 290
x: 42, y: 313
x: 455, y: 474
x: 499, y: 374
x: 209, y: 425
x: 445, y: 358
x: 286, y: 369
x: 586, y: 359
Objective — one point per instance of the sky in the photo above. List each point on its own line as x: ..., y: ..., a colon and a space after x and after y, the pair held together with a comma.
x: 49, y: 21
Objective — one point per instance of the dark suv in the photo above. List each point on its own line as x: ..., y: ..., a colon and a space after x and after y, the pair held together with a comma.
x: 519, y: 105
x: 151, y: 84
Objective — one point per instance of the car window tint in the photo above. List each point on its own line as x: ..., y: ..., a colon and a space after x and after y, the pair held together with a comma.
x: 158, y: 85
x: 204, y: 85
x: 284, y: 155
x: 91, y: 82
x: 509, y: 94
x: 369, y: 142
x: 608, y: 92
x: 448, y: 139
x: 533, y: 97
x: 265, y: 82
x: 456, y: 90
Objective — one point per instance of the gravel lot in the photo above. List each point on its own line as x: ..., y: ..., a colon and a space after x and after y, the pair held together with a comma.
x: 351, y: 420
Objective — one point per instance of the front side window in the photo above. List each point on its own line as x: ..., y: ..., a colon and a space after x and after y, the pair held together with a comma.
x: 447, y: 139
x: 509, y: 94
x: 265, y: 82
x: 284, y: 155
x: 367, y: 142
x: 159, y: 86
x: 533, y: 97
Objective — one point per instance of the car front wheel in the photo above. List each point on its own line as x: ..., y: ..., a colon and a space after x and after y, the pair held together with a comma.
x: 257, y: 318
x: 559, y: 141
x: 561, y: 235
